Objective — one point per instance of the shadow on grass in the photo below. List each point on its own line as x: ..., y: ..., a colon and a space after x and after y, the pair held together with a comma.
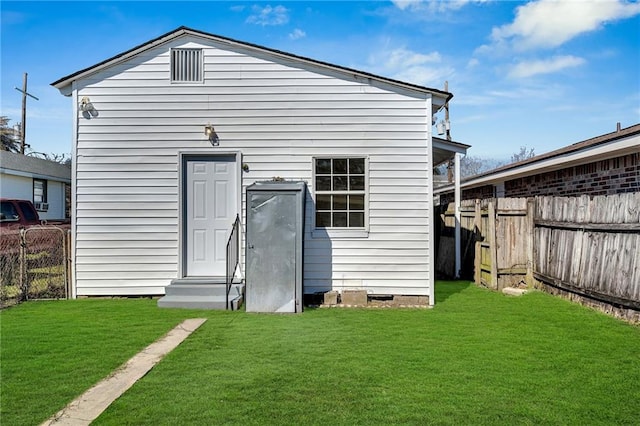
x: 445, y: 289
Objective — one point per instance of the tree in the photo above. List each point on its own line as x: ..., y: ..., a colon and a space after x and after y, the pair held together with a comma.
x: 470, y: 165
x: 56, y: 158
x: 10, y: 137
x: 523, y: 154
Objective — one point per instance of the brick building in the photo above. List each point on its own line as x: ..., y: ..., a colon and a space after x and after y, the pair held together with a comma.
x: 603, y: 165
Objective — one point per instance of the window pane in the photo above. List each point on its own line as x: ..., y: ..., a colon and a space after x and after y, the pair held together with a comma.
x: 340, y: 166
x: 339, y: 202
x: 356, y: 220
x: 39, y: 191
x: 356, y: 183
x: 28, y: 211
x: 323, y: 202
x: 8, y: 212
x: 323, y: 183
x: 356, y: 202
x: 323, y: 219
x: 340, y: 220
x: 323, y: 166
x: 339, y: 183
x: 356, y: 166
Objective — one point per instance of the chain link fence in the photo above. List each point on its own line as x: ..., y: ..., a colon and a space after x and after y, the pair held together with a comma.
x: 34, y: 264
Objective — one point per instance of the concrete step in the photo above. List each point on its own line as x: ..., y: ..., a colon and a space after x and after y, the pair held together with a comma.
x: 200, y: 302
x: 202, y: 289
x: 201, y: 293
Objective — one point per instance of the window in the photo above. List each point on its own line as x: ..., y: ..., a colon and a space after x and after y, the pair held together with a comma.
x: 186, y: 65
x: 39, y: 191
x: 340, y: 189
x: 8, y: 212
x: 67, y: 201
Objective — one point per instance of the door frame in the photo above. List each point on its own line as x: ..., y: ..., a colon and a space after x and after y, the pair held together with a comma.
x: 183, y: 157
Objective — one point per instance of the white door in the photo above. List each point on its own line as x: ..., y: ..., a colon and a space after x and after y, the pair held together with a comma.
x: 210, y: 209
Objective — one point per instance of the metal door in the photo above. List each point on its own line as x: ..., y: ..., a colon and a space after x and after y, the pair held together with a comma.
x: 275, y: 227
x: 210, y: 208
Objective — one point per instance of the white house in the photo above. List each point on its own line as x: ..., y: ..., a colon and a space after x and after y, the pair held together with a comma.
x: 45, y: 183
x: 169, y: 134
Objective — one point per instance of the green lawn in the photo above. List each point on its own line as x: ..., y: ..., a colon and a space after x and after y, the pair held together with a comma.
x: 478, y: 357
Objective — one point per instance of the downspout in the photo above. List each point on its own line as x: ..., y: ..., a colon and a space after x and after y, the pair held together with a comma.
x: 74, y: 185
x: 457, y: 196
x: 430, y: 208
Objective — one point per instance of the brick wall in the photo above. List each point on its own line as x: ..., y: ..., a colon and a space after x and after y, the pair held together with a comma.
x: 606, y: 177
x: 481, y: 192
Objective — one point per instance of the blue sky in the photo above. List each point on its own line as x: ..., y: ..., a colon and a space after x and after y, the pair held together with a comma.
x: 541, y: 73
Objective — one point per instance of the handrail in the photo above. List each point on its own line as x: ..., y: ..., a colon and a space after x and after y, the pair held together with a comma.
x: 233, y: 255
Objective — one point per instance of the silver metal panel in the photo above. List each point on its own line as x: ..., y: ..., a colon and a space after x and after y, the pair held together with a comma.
x: 275, y: 225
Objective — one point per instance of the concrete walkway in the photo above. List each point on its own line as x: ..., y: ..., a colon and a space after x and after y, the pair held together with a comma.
x: 88, y: 406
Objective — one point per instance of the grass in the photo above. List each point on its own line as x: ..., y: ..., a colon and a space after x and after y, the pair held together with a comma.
x: 50, y: 352
x: 478, y: 357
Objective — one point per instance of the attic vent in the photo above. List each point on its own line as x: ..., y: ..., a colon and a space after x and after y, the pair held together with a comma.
x: 186, y: 65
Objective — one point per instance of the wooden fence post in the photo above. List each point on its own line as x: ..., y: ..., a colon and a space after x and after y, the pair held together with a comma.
x: 493, y: 248
x: 531, y: 227
x: 477, y: 233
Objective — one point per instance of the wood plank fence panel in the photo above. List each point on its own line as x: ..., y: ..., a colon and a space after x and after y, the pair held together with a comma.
x: 589, y: 246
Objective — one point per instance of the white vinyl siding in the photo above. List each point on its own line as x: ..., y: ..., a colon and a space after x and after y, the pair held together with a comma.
x: 280, y: 115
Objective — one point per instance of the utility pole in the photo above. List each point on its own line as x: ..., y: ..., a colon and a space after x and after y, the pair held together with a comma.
x: 447, y: 127
x: 23, y: 124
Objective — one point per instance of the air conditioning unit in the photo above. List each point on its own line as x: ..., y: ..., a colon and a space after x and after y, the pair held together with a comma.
x: 41, y: 207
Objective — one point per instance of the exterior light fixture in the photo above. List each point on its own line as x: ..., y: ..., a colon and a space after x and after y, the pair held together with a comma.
x: 211, y: 134
x: 87, y: 108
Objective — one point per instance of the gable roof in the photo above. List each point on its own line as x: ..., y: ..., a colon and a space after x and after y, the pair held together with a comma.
x: 64, y: 82
x: 621, y: 142
x: 25, y: 165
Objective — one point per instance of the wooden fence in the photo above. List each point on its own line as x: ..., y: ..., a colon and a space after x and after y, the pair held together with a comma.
x: 586, y: 246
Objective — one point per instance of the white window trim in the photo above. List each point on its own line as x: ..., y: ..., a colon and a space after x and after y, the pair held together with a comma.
x: 341, y: 232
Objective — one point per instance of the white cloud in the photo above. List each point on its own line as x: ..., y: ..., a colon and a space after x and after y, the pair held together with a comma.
x: 268, y: 15
x: 550, y: 23
x: 402, y: 57
x: 545, y: 66
x: 404, y: 4
x: 411, y: 67
x: 296, y: 34
x: 473, y: 62
x: 433, y: 5
x: 237, y: 8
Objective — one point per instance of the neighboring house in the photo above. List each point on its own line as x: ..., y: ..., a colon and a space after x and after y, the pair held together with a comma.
x: 170, y: 133
x: 44, y: 182
x: 603, y: 165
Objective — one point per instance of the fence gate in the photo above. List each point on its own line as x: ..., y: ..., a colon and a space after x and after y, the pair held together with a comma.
x: 34, y: 264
